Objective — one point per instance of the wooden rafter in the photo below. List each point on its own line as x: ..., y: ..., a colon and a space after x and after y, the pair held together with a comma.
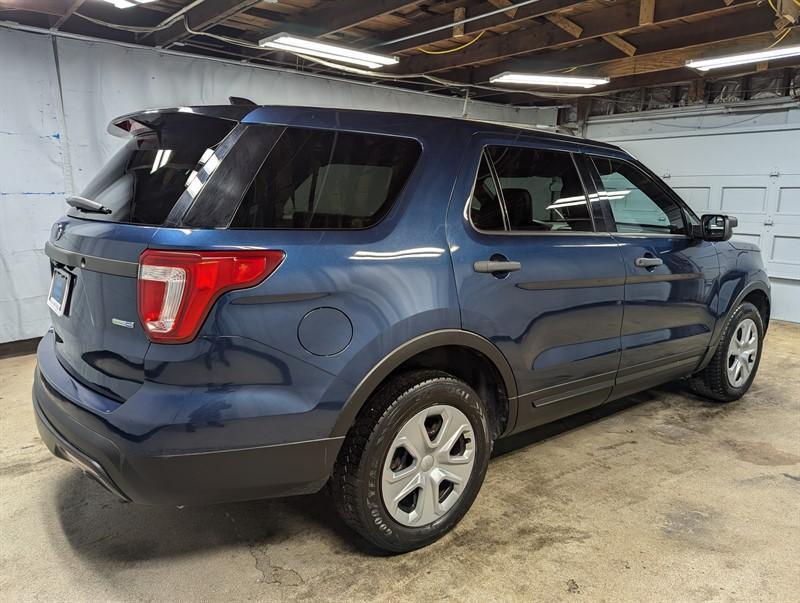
x: 202, y: 16
x: 621, y: 44
x: 590, y: 58
x: 524, y: 13
x: 609, y: 21
x: 332, y: 17
x: 647, y: 11
x: 561, y: 21
x: 74, y: 5
x: 48, y: 7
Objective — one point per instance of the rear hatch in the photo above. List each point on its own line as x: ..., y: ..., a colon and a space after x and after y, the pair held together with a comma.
x: 162, y: 167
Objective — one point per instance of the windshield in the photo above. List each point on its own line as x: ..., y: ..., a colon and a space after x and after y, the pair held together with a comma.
x: 142, y: 182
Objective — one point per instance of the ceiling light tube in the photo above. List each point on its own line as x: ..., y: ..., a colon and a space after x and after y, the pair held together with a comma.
x: 533, y: 79
x: 744, y: 58
x: 121, y: 3
x: 324, y: 50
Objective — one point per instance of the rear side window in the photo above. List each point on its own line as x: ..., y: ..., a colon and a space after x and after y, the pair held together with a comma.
x: 539, y: 189
x: 485, y: 210
x: 142, y: 182
x: 322, y: 179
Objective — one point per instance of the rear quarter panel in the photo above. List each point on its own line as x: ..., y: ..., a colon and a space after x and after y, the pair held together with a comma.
x: 393, y: 282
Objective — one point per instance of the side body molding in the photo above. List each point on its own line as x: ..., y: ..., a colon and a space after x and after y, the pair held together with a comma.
x: 422, y: 343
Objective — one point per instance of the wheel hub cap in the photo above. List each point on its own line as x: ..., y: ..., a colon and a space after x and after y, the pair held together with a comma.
x: 428, y: 465
x: 742, y: 352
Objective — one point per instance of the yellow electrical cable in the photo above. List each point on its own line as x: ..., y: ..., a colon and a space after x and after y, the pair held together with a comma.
x: 772, y: 4
x: 780, y: 39
x: 456, y: 49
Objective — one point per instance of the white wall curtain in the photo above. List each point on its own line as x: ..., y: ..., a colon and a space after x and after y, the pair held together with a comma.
x: 54, y: 137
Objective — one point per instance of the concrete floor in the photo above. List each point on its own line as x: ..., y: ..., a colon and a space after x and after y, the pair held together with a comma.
x: 664, y: 497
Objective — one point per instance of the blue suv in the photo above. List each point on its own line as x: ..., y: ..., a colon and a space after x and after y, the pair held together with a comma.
x: 259, y: 301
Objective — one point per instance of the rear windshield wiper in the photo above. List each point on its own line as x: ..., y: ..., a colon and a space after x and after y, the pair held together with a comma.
x: 87, y: 205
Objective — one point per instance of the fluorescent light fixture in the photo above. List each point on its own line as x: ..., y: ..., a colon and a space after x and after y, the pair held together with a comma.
x: 126, y: 3
x: 533, y: 79
x: 324, y: 50
x: 744, y: 58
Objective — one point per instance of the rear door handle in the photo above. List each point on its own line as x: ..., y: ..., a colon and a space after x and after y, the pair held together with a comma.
x: 492, y: 266
x: 648, y: 262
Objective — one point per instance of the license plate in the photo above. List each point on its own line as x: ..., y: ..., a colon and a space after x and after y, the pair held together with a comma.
x: 59, y: 291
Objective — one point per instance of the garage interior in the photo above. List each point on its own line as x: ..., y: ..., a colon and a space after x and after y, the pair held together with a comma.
x: 660, y: 496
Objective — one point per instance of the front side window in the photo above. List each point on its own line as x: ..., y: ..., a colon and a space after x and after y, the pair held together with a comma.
x: 321, y: 179
x: 638, y: 204
x: 541, y: 190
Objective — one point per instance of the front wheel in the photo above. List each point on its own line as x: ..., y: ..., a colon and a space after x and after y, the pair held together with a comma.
x: 734, y: 365
x: 413, y: 463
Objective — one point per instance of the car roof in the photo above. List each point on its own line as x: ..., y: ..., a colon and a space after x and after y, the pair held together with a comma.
x: 331, y: 117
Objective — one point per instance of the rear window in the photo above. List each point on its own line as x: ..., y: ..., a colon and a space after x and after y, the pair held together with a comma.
x: 327, y: 180
x: 143, y: 180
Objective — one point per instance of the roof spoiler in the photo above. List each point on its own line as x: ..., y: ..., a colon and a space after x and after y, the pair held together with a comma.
x: 240, y: 100
x: 150, y: 120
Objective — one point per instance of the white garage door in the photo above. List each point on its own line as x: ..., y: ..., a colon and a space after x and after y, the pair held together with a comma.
x: 768, y: 209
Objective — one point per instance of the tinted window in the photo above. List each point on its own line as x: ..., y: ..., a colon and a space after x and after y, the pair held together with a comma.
x: 143, y: 181
x: 541, y: 190
x: 484, y: 208
x: 637, y: 202
x: 325, y: 179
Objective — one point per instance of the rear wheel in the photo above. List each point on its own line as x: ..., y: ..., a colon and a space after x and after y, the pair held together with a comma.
x: 732, y: 369
x: 413, y: 463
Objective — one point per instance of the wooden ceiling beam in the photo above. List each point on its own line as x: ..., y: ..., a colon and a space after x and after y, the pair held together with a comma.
x: 74, y: 5
x: 586, y: 59
x: 561, y: 21
x: 332, y: 17
x: 675, y: 58
x: 203, y: 16
x: 647, y: 11
x: 620, y: 44
x: 595, y: 24
x: 524, y: 13
x: 57, y: 8
x: 343, y: 14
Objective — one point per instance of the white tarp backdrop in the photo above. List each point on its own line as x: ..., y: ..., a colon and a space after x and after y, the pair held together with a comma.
x: 53, y: 138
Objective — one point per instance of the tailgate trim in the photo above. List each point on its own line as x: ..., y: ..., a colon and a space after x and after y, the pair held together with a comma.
x: 91, y: 262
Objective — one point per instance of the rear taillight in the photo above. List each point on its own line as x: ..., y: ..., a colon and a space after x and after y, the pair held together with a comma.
x: 178, y: 288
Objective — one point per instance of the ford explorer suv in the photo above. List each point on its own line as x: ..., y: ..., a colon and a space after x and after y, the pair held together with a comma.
x: 251, y: 302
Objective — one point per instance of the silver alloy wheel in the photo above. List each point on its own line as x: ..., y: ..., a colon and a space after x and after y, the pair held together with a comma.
x: 742, y: 352
x: 428, y: 465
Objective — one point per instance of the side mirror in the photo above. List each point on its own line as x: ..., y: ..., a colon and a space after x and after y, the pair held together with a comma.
x: 715, y: 227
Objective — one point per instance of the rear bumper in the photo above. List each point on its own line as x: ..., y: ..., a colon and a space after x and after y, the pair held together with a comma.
x: 132, y: 472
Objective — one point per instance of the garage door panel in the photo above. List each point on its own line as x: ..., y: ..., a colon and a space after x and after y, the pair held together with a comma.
x: 783, y: 256
x: 789, y: 201
x: 741, y: 200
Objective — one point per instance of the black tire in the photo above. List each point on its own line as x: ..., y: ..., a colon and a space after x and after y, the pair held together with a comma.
x: 356, y: 480
x: 712, y: 382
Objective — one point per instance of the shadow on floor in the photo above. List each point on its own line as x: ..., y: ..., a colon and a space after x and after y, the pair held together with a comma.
x: 108, y: 533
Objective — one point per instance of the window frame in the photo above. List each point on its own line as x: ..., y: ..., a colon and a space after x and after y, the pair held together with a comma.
x: 611, y: 223
x: 533, y: 233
